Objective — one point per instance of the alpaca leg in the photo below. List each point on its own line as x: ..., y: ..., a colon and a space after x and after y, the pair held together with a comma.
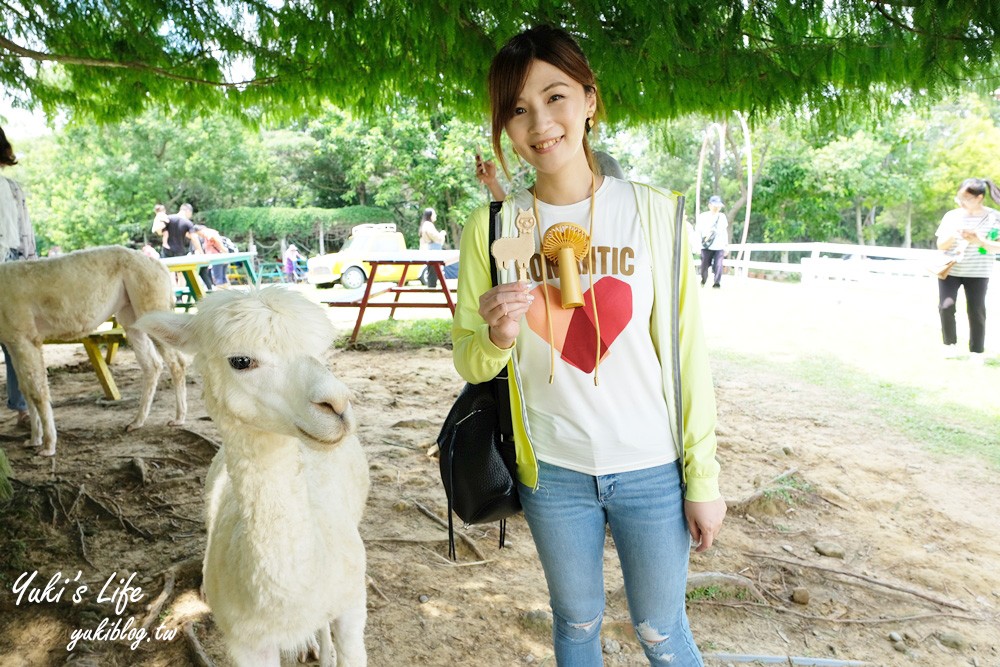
x: 29, y: 364
x: 248, y: 656
x: 35, y: 422
x: 177, y: 365
x: 326, y: 655
x: 349, y: 636
x: 149, y: 361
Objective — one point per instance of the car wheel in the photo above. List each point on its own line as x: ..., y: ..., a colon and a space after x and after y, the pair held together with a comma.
x: 353, y: 278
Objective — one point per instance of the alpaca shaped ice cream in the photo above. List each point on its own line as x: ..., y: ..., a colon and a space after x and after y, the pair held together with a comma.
x: 517, y: 249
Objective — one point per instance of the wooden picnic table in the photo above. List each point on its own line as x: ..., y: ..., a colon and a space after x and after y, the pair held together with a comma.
x: 110, y: 337
x: 434, y: 260
x: 188, y: 265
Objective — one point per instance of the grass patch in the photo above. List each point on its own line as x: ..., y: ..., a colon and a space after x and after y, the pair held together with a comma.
x: 783, y: 489
x: 400, y: 335
x: 940, y: 425
x: 705, y: 593
x: 715, y: 593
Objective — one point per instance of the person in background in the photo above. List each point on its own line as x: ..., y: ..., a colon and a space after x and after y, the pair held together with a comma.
x: 291, y: 262
x: 431, y: 238
x: 17, y: 241
x: 970, y: 232
x: 180, y: 239
x: 211, y: 243
x: 149, y: 251
x: 160, y: 220
x: 713, y: 228
x: 54, y: 251
x: 594, y: 455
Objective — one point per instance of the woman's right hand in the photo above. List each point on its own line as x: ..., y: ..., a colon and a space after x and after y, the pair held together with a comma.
x: 486, y: 173
x: 486, y: 170
x: 502, y: 309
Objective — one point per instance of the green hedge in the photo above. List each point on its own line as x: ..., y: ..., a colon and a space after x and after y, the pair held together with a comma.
x: 275, y: 222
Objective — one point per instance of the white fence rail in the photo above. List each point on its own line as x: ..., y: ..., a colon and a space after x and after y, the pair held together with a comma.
x: 832, y: 261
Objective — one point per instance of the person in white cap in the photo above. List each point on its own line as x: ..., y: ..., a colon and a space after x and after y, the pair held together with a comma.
x: 713, y: 228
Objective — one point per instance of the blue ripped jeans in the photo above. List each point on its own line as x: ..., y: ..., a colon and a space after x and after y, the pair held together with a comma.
x: 644, y: 509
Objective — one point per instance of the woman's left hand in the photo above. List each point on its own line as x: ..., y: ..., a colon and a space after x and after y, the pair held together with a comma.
x: 704, y: 521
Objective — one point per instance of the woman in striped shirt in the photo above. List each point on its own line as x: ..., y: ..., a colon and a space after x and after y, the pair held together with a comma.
x: 971, y: 231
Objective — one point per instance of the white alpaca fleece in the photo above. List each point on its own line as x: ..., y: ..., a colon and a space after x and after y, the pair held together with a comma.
x: 68, y: 297
x: 284, y: 562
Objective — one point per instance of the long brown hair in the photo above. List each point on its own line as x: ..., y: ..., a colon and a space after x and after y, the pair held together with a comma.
x: 7, y: 158
x: 509, y: 71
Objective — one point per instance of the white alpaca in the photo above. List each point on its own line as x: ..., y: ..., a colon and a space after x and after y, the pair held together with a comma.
x: 284, y: 563
x: 68, y: 297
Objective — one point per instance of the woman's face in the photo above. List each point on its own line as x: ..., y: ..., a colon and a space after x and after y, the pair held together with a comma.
x: 547, y: 127
x: 968, y: 201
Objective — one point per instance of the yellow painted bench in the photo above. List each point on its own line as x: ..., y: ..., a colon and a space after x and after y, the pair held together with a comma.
x: 110, y: 339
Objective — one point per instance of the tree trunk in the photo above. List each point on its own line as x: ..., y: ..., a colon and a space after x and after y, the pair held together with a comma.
x: 717, y: 167
x: 908, y: 231
x: 859, y: 221
x: 733, y: 208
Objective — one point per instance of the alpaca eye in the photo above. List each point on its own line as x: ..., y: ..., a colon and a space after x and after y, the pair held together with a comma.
x: 242, y: 363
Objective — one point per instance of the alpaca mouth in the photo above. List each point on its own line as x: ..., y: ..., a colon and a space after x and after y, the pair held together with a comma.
x: 327, y: 441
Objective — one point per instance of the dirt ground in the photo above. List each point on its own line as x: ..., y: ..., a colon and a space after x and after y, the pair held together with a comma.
x: 917, y: 531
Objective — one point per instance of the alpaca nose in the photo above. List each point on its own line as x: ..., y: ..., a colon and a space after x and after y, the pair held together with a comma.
x: 337, y: 403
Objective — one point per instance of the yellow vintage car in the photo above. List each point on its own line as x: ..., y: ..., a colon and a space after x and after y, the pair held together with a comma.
x: 348, y: 266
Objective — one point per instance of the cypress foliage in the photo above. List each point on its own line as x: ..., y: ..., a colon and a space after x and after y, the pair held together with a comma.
x: 110, y: 59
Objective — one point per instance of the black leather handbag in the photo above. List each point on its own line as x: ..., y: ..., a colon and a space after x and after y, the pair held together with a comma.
x: 476, y: 444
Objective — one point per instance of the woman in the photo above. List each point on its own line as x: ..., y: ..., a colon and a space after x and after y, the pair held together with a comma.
x: 430, y: 239
x: 598, y: 444
x: 291, y: 260
x: 17, y: 241
x: 160, y: 221
x: 211, y: 243
x: 970, y: 233
x: 713, y: 229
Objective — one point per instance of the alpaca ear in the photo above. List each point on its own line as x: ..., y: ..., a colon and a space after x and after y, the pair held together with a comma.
x: 168, y: 328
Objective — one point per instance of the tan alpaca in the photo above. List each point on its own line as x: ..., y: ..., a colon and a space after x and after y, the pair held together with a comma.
x: 68, y: 297
x: 517, y: 249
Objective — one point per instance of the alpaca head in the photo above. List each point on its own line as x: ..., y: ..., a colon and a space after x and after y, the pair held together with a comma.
x: 260, y: 357
x: 525, y: 220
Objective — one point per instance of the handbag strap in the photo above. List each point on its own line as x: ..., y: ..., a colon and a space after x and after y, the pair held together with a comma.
x: 500, y: 381
x: 502, y: 397
x: 500, y: 387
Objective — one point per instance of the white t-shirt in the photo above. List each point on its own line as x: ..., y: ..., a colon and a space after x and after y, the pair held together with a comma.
x: 430, y: 234
x: 707, y: 221
x: 622, y: 424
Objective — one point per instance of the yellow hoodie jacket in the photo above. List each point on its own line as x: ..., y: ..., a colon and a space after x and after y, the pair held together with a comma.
x: 477, y: 359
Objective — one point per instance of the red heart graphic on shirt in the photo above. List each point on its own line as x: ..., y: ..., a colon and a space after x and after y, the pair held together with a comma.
x: 573, y: 331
